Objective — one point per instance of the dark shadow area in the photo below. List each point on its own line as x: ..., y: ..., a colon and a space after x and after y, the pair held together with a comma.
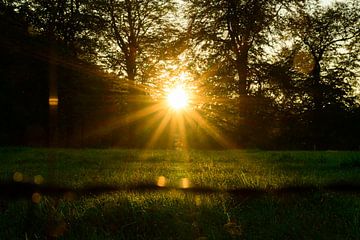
x: 15, y: 190
x: 343, y: 187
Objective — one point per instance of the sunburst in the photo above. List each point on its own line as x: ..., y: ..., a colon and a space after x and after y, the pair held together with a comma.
x: 178, y: 98
x: 174, y: 115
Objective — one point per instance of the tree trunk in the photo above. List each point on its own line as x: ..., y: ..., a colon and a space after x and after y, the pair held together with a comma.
x: 133, y: 95
x: 243, y: 108
x: 316, y: 85
x: 242, y: 71
x: 317, y: 95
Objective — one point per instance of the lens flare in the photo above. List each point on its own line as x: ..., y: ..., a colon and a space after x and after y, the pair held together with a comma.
x: 161, y: 182
x: 197, y: 200
x: 53, y: 101
x: 36, y: 197
x: 184, y: 183
x: 38, y: 179
x: 18, y: 177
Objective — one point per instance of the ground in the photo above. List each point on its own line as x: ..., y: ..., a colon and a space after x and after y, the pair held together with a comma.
x: 176, y: 194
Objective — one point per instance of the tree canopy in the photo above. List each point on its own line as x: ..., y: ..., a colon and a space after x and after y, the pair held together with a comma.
x: 272, y: 74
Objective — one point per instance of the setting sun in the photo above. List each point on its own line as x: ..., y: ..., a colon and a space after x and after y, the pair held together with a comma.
x: 177, y: 98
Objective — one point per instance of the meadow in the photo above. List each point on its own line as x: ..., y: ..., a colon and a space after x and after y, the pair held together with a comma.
x: 177, y: 194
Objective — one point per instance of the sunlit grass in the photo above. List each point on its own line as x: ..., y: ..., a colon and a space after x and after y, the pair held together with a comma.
x: 180, y: 194
x: 216, y: 169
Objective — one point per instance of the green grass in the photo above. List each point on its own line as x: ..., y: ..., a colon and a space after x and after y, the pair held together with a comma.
x: 232, y: 195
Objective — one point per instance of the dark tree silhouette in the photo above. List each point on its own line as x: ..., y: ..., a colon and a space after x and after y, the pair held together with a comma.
x: 83, y: 89
x: 326, y: 37
x: 234, y: 36
x: 275, y: 74
x: 23, y: 85
x: 135, y: 35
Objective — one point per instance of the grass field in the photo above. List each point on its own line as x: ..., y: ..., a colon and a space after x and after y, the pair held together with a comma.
x: 163, y: 194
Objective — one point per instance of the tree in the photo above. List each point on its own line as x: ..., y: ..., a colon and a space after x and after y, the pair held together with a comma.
x: 30, y: 57
x: 66, y: 29
x: 69, y: 22
x: 134, y: 34
x: 231, y: 37
x: 135, y: 37
x: 326, y: 36
x: 23, y: 85
x: 234, y: 34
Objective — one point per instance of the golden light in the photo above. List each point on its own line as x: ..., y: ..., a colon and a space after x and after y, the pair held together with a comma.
x: 18, y: 177
x: 38, y: 179
x: 184, y: 183
x: 53, y: 101
x: 161, y: 182
x: 197, y: 200
x: 176, y: 115
x: 178, y: 98
x: 36, y: 197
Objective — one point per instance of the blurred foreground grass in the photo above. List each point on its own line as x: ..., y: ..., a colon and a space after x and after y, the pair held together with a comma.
x: 166, y: 194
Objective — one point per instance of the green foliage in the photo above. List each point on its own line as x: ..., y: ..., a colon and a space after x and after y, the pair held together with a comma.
x: 268, y: 74
x: 135, y: 35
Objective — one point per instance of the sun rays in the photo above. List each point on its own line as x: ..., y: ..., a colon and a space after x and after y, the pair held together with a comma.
x: 171, y: 119
x: 179, y: 125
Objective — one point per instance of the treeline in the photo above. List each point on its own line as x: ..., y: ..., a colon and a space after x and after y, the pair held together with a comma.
x: 29, y: 59
x: 267, y: 74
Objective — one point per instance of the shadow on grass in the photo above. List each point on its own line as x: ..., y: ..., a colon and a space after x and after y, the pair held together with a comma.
x: 20, y: 190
